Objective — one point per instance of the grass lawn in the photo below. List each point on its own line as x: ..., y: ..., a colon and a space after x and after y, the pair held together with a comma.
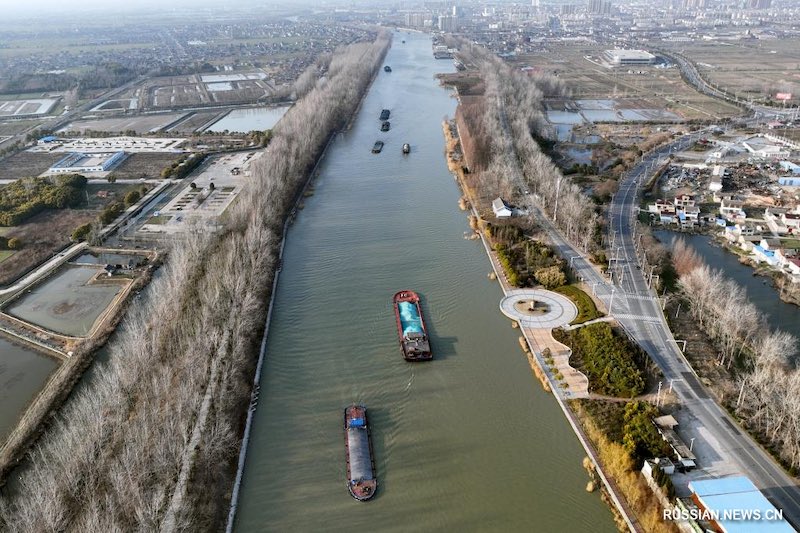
x: 5, y: 254
x: 587, y: 310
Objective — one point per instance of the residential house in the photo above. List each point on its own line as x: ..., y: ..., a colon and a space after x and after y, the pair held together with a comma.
x: 762, y: 255
x: 501, y: 208
x: 792, y: 222
x: 684, y: 200
x: 731, y: 209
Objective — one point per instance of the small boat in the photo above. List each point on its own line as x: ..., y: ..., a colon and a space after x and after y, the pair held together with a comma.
x: 406, y: 148
x: 385, y: 114
x: 361, y: 480
x: 404, y: 41
x: 387, y: 68
x: 377, y: 147
x: 411, y: 328
x: 385, y: 126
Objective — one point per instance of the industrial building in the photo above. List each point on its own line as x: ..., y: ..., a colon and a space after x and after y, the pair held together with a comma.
x: 79, y: 162
x: 735, y: 505
x: 623, y: 58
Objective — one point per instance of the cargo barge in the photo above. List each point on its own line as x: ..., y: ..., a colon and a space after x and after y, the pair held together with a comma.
x: 377, y: 147
x: 361, y: 480
x: 387, y: 68
x: 386, y: 125
x: 406, y: 148
x: 385, y: 114
x: 411, y: 329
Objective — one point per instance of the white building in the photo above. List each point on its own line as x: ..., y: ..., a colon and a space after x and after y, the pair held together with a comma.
x: 501, y: 209
x: 80, y: 162
x: 623, y: 58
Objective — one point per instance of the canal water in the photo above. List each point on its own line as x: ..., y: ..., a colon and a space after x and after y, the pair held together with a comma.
x: 466, y: 442
x: 23, y: 373
x: 762, y: 294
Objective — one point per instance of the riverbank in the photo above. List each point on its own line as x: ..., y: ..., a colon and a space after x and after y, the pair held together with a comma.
x: 623, y: 511
x: 169, y: 405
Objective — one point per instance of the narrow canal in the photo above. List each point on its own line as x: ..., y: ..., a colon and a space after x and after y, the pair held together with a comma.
x: 760, y: 291
x: 467, y: 442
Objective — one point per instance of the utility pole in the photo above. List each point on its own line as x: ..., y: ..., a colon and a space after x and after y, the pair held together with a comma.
x: 658, y: 395
x: 611, y: 303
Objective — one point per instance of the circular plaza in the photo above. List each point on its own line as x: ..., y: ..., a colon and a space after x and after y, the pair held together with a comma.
x: 538, y: 308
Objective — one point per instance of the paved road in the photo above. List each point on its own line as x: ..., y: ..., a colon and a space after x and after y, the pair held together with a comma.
x: 721, y: 447
x: 694, y: 78
x: 636, y: 308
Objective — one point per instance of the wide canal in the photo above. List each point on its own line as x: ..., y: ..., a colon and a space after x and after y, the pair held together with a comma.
x: 467, y: 442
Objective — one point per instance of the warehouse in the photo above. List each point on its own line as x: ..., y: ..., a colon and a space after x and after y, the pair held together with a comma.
x: 623, y: 58
x: 79, y: 162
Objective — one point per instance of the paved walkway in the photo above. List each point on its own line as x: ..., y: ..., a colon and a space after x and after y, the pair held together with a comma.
x: 557, y: 310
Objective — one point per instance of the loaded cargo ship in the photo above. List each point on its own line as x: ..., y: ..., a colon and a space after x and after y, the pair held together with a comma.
x: 411, y: 327
x: 361, y: 480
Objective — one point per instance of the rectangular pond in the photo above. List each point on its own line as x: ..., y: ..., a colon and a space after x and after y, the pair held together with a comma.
x: 23, y: 373
x: 247, y: 120
x: 64, y: 303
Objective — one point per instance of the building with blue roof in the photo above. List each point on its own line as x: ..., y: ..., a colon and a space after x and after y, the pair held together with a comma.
x: 735, y: 505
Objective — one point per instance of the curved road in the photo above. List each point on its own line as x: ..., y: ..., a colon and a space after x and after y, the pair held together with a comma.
x: 721, y: 446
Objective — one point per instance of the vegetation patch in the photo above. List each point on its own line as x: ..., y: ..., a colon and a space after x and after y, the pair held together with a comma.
x: 612, y: 363
x: 526, y: 262
x: 5, y: 254
x: 27, y: 197
x: 587, y: 310
x: 605, y: 424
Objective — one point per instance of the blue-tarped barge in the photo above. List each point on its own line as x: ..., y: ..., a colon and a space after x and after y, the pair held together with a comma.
x: 411, y: 328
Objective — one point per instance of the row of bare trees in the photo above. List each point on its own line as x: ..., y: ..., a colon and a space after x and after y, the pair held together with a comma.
x: 769, y: 382
x: 515, y: 121
x: 151, y: 441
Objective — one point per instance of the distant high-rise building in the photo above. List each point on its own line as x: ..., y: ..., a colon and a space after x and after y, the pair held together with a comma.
x: 535, y: 3
x: 415, y: 20
x: 760, y: 4
x: 600, y: 7
x: 695, y: 4
x: 567, y: 9
x: 447, y: 23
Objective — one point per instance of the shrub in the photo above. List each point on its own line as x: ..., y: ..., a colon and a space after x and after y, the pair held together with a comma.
x: 640, y: 437
x: 132, y: 197
x: 611, y: 362
x: 110, y: 213
x: 81, y: 232
x: 551, y: 277
x: 14, y: 243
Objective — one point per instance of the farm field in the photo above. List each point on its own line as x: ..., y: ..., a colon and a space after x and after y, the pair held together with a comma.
x: 26, y: 164
x: 653, y: 88
x: 749, y: 68
x: 139, y: 124
x: 13, y: 127
x: 144, y: 165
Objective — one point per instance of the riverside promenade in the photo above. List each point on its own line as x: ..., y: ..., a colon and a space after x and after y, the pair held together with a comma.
x: 538, y: 339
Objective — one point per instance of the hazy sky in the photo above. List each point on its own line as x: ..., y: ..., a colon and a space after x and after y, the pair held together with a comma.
x: 31, y: 7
